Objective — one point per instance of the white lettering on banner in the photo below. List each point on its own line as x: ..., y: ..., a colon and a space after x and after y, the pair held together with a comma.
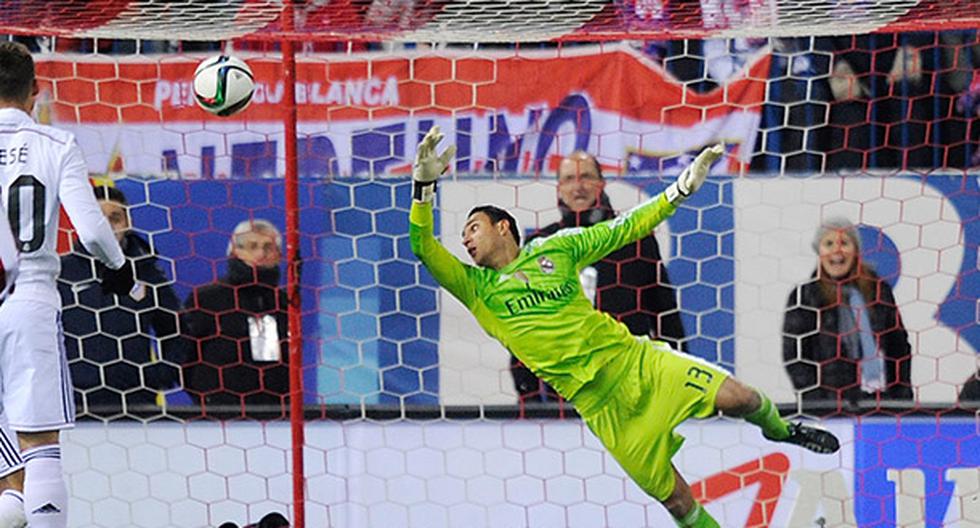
x: 354, y: 90
x: 264, y: 95
x: 509, y: 141
x: 362, y: 92
x: 829, y: 491
x: 372, y: 96
x: 910, y: 495
x: 173, y: 94
x: 186, y: 96
x: 966, y: 493
x: 310, y: 94
x: 826, y: 489
x: 160, y: 92
x: 366, y: 92
x: 335, y: 95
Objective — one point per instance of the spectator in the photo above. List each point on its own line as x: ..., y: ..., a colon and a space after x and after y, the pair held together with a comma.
x: 115, y: 344
x: 882, y: 112
x: 962, y: 52
x: 631, y: 284
x: 843, y: 338
x: 798, y: 69
x: 239, y: 326
x: 724, y: 58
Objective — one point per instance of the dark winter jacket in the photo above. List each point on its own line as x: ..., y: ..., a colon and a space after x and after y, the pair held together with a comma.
x: 821, y: 368
x: 221, y: 368
x: 114, y: 344
x: 970, y: 394
x: 631, y: 285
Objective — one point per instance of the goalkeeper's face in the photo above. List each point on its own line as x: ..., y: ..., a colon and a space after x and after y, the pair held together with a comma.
x: 486, y: 241
x: 838, y: 254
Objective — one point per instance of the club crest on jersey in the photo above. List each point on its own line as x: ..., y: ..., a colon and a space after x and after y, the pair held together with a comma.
x: 546, y: 265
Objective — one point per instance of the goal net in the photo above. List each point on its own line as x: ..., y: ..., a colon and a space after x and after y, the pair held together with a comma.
x: 474, y: 21
x: 413, y: 415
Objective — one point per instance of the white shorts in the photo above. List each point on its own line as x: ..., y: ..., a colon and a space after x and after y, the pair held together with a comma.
x: 35, y: 387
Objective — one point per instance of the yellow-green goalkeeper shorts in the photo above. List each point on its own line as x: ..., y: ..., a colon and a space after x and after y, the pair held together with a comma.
x: 637, y: 399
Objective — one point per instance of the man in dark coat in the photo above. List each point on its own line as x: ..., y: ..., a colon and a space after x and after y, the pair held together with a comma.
x: 122, y: 351
x: 239, y: 329
x: 630, y: 284
x: 970, y: 394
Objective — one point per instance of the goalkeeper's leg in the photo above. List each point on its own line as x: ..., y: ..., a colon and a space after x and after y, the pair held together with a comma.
x: 687, y: 512
x: 737, y: 399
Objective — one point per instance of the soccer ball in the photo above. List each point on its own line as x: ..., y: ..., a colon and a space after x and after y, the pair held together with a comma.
x: 223, y: 85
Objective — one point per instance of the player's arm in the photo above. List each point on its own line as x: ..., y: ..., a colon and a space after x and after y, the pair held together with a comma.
x: 443, y: 265
x: 593, y: 243
x: 93, y: 229
x: 8, y: 255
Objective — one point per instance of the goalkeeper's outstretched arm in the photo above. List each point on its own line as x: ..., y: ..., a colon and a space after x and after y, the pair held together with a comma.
x: 443, y: 265
x: 593, y: 243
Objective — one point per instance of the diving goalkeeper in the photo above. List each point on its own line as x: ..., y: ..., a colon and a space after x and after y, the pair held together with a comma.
x: 632, y: 392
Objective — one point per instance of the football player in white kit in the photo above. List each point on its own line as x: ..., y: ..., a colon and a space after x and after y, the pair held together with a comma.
x: 42, y: 169
x: 11, y: 476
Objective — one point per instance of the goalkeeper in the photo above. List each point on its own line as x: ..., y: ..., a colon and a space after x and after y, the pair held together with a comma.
x: 632, y: 392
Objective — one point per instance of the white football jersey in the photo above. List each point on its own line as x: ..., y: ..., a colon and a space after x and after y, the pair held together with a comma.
x: 41, y: 169
x: 8, y: 256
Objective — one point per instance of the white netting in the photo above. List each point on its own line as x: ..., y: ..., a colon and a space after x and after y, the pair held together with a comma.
x: 477, y: 21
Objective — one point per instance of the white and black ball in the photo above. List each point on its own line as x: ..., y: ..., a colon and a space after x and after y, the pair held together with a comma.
x: 223, y: 85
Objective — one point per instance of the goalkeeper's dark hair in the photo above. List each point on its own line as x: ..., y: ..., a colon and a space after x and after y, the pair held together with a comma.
x: 111, y: 194
x: 497, y: 214
x: 16, y: 72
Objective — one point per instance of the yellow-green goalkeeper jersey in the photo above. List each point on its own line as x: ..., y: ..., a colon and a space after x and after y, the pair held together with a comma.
x: 535, y: 305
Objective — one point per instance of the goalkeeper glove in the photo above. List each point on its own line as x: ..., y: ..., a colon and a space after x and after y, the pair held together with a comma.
x: 694, y: 175
x: 429, y: 166
x: 119, y: 281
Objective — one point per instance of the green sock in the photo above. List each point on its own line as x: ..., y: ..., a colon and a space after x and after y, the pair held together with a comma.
x: 698, y: 517
x: 768, y: 419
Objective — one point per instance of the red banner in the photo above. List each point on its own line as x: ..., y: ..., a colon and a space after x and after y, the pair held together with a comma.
x: 612, y: 100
